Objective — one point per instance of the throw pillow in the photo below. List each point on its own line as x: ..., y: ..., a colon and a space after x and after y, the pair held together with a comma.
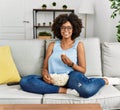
x: 8, y: 70
x: 111, y: 59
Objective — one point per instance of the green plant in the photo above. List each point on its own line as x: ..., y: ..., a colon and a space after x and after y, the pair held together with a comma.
x: 44, y: 6
x: 115, y: 4
x: 54, y: 3
x: 118, y: 32
x: 64, y: 6
x: 44, y: 33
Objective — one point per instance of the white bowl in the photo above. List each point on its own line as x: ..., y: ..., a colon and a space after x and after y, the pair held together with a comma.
x: 60, y: 79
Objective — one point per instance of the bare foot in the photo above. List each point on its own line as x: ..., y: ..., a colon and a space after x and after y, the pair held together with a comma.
x: 112, y: 80
x: 62, y: 90
x: 106, y: 81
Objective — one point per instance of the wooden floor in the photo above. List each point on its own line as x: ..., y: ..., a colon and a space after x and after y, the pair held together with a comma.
x: 50, y: 107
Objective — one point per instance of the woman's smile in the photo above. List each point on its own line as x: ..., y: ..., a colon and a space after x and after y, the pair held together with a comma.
x: 66, y: 30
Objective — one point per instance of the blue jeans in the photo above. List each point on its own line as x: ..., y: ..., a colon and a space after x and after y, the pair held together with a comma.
x: 86, y: 87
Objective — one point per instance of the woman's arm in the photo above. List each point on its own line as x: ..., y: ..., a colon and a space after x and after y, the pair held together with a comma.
x: 81, y: 66
x: 45, y: 74
x: 81, y: 59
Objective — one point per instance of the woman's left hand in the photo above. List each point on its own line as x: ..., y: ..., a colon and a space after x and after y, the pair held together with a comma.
x: 66, y: 60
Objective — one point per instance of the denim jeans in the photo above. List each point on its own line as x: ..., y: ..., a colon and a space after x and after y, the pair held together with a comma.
x: 86, y: 87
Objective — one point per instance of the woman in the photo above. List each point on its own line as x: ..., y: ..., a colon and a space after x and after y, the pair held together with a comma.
x: 65, y: 55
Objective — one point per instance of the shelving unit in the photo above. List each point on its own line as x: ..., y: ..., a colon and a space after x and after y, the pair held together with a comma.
x: 35, y: 14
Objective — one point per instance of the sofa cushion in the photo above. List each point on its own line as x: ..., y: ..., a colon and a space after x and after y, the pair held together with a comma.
x: 93, y: 55
x: 8, y: 70
x: 108, y: 97
x: 14, y: 95
x: 111, y: 59
x: 28, y: 55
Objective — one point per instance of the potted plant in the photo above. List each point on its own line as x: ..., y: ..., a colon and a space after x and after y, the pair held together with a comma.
x: 64, y: 7
x: 115, y: 4
x: 118, y: 32
x: 54, y: 4
x: 44, y: 35
x: 50, y: 23
x: 44, y: 6
x: 44, y: 23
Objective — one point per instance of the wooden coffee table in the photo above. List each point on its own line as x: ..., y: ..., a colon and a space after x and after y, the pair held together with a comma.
x: 50, y: 107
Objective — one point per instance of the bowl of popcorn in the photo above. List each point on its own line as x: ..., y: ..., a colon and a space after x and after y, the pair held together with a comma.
x: 59, y: 79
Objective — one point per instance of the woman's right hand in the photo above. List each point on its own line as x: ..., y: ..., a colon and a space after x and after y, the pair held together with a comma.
x: 46, y: 77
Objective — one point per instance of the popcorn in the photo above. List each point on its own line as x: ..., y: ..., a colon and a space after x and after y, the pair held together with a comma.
x: 59, y: 79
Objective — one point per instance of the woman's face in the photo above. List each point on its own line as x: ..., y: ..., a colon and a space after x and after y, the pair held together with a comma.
x: 66, y: 30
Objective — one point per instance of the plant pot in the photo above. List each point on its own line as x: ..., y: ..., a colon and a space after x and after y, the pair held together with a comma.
x: 64, y: 8
x: 44, y: 37
x: 43, y: 8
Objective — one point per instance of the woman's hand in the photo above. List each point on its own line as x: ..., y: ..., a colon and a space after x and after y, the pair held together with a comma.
x: 46, y: 77
x: 66, y: 60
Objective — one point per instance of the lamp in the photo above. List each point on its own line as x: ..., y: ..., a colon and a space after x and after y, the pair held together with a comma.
x: 86, y: 7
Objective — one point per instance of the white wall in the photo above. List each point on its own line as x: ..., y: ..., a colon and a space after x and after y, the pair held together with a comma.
x: 104, y: 24
x: 29, y: 5
x: 100, y: 24
x: 11, y: 19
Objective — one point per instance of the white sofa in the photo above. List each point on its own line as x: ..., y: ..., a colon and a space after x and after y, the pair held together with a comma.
x: 101, y: 61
